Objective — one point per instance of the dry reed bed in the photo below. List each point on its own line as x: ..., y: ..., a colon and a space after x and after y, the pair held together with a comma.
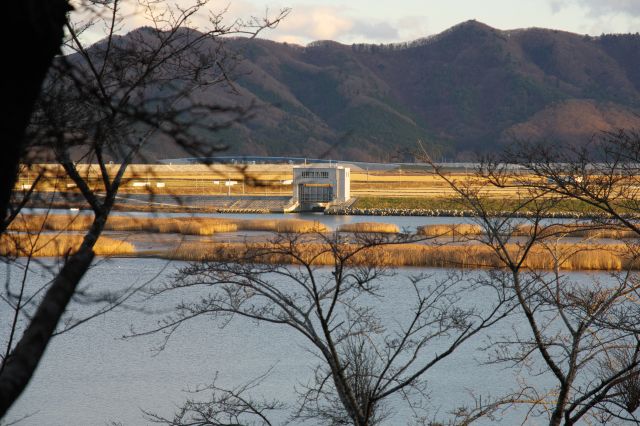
x: 180, y: 225
x: 578, y: 257
x: 580, y: 230
x: 559, y: 230
x: 285, y: 225
x: 454, y: 230
x: 49, y: 245
x: 365, y: 227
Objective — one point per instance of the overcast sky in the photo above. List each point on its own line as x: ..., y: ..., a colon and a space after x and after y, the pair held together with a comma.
x: 374, y: 21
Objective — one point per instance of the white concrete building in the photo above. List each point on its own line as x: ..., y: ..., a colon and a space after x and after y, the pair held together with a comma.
x: 321, y: 185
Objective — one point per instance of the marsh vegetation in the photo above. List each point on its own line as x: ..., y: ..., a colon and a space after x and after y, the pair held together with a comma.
x: 179, y: 225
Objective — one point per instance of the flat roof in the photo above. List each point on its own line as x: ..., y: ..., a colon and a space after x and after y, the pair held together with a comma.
x: 320, y: 166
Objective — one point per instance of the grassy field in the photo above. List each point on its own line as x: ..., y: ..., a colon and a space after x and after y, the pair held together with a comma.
x: 393, y: 189
x: 197, y: 179
x: 192, y: 179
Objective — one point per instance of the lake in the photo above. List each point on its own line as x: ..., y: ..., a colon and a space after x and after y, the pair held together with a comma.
x: 91, y: 376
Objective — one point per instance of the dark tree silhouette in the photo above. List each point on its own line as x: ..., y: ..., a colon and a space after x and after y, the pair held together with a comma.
x: 40, y: 24
x: 583, y: 333
x: 317, y: 285
x: 96, y: 107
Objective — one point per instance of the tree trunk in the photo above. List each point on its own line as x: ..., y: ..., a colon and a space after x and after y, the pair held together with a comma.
x: 34, y: 30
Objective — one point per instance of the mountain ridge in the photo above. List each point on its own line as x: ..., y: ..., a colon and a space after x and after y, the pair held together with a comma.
x: 469, y: 89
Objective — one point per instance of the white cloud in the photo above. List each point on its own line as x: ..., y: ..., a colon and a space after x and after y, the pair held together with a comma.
x: 291, y: 39
x: 597, y: 7
x: 316, y: 23
x: 308, y: 23
x: 600, y: 16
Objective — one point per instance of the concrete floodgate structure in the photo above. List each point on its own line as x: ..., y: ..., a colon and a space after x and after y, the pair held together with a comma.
x: 316, y: 187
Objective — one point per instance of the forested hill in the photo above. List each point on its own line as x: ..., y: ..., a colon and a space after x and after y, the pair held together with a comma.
x: 469, y: 89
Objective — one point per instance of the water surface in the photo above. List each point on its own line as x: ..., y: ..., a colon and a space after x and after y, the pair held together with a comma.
x: 91, y: 376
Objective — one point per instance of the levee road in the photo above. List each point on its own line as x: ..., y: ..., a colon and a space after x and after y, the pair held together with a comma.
x: 236, y: 180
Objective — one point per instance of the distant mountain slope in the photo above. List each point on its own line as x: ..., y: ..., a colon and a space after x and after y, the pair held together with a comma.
x: 469, y: 89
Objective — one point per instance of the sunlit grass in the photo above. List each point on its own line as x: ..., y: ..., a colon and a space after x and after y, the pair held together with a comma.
x: 453, y: 230
x: 583, y: 230
x: 49, y: 245
x: 374, y: 227
x: 180, y: 225
x: 285, y: 225
x: 582, y: 256
x: 571, y: 256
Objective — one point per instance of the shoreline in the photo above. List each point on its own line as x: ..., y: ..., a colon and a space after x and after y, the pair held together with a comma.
x: 351, y: 211
x: 463, y: 213
x: 335, y: 211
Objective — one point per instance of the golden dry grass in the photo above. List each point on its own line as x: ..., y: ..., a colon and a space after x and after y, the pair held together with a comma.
x: 583, y: 256
x: 181, y: 225
x: 453, y: 230
x: 580, y: 230
x: 185, y: 226
x: 577, y: 257
x: 34, y: 223
x: 385, y: 228
x: 48, y: 245
x: 560, y: 230
x: 285, y: 225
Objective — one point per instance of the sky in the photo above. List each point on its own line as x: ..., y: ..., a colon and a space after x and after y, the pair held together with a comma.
x: 374, y: 21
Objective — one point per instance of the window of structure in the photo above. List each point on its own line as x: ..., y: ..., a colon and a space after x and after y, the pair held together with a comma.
x: 315, y: 174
